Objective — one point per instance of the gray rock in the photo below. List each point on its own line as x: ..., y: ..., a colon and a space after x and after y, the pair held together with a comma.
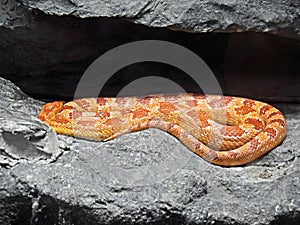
x: 194, y: 16
x: 146, y: 177
x: 23, y: 136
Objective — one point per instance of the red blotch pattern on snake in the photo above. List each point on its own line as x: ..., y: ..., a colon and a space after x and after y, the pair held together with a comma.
x: 223, y: 130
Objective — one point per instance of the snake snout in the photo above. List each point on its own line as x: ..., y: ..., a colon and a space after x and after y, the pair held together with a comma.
x: 49, y: 110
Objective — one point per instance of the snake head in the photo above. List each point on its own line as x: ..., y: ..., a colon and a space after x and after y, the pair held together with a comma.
x: 50, y: 110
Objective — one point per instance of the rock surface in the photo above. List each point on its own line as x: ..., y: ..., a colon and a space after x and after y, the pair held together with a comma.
x: 147, y: 177
x: 194, y: 16
x: 23, y: 136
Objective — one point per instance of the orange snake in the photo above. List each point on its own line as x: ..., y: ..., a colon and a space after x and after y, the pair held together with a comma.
x: 223, y: 130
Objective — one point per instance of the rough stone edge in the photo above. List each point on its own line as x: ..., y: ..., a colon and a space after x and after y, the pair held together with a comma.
x: 145, y: 14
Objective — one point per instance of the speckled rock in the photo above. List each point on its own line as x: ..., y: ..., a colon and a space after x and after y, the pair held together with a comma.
x: 194, y: 16
x: 23, y: 136
x: 146, y: 177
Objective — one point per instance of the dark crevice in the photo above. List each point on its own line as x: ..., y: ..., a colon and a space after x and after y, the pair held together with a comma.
x: 48, y: 58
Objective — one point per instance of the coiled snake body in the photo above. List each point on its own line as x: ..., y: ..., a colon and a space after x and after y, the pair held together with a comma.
x: 223, y: 130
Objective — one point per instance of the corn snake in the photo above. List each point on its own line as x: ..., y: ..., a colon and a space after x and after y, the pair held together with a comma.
x: 227, y: 131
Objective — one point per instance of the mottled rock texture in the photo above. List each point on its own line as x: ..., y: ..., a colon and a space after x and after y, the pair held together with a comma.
x: 147, y: 177
x: 194, y: 16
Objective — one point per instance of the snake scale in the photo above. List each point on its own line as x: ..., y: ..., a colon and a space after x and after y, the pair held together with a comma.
x: 227, y: 131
